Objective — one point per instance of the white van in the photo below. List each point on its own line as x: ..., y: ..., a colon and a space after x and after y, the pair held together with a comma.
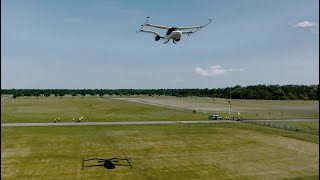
x: 215, y: 117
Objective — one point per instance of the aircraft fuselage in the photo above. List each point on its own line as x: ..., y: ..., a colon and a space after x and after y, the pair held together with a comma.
x: 173, y: 33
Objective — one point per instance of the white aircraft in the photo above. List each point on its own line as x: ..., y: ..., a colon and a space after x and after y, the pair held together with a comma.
x: 173, y: 33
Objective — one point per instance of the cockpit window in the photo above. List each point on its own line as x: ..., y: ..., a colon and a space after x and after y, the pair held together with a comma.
x: 172, y: 29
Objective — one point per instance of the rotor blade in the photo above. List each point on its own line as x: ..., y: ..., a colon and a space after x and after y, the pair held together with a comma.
x: 142, y: 25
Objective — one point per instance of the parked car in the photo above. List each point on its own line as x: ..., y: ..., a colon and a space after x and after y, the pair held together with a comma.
x: 215, y: 117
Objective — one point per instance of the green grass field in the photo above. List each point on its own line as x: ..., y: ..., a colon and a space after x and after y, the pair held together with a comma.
x: 172, y: 108
x: 180, y: 151
x: 248, y: 109
x: 310, y: 125
x: 91, y: 108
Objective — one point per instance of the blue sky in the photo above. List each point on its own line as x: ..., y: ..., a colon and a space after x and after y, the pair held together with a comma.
x: 80, y: 44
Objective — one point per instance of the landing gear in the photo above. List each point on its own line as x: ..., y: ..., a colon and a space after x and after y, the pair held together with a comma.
x: 174, y: 41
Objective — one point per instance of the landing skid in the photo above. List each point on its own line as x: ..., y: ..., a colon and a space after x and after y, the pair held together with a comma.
x: 169, y: 40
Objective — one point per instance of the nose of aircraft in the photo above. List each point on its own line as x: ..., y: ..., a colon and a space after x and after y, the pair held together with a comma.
x: 176, y: 34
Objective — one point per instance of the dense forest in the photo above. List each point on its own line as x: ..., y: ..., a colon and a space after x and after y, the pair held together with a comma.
x: 267, y: 92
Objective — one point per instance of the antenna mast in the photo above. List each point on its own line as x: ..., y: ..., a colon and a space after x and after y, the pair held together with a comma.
x: 230, y: 102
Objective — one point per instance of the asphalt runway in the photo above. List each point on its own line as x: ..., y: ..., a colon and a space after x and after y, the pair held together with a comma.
x: 141, y: 122
x: 113, y: 123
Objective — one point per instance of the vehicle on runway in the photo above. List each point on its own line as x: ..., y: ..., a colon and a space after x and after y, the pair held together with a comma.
x: 173, y: 33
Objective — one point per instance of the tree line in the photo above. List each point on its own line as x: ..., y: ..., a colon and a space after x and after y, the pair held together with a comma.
x: 266, y: 92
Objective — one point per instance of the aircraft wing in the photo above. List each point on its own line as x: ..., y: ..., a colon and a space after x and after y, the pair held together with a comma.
x: 152, y: 32
x: 158, y: 26
x: 196, y: 27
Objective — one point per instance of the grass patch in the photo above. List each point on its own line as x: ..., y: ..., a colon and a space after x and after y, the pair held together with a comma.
x: 279, y: 132
x: 179, y: 151
x: 146, y: 108
x: 304, y: 126
x: 91, y: 108
x: 249, y: 109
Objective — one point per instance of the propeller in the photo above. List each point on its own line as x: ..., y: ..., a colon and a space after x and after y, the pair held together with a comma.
x: 142, y: 25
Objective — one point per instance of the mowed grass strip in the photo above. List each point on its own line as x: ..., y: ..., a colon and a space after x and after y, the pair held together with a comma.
x: 94, y: 109
x: 248, y: 109
x: 180, y: 151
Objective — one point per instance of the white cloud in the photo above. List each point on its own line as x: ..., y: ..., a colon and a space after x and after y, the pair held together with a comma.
x: 312, y: 26
x: 305, y: 24
x: 214, y: 70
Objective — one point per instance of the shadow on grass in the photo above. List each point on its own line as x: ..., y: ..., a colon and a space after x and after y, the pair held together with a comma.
x: 107, y: 163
